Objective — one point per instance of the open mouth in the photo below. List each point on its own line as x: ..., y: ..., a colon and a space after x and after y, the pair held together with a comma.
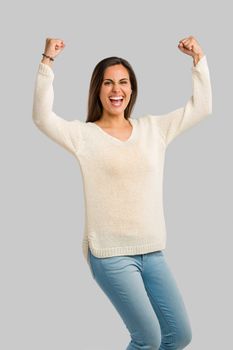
x: 116, y: 101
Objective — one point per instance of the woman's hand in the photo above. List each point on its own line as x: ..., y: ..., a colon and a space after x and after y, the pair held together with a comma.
x: 191, y: 47
x: 53, y: 47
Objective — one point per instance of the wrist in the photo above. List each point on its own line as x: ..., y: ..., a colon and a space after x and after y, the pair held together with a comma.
x: 197, y: 58
x: 47, y: 61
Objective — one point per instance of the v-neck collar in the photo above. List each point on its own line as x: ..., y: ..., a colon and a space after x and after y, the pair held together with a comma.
x: 115, y: 139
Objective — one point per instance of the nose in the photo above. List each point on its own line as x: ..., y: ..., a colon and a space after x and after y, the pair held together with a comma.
x: 115, y: 87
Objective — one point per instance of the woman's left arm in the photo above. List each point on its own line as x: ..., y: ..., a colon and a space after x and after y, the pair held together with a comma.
x: 200, y: 103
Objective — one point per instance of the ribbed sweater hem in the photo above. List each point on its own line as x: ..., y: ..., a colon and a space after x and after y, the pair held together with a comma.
x: 119, y: 251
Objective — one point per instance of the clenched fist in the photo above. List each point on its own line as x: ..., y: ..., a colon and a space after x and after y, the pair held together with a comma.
x: 191, y: 47
x: 52, y: 48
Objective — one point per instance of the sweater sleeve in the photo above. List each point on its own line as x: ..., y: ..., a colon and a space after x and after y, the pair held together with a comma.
x: 66, y: 133
x: 197, y: 107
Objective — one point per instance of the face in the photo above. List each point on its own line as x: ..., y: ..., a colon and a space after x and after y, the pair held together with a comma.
x: 115, y: 90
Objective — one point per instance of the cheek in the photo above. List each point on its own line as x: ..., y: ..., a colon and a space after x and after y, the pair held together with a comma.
x: 129, y: 93
x: 104, y: 92
x: 102, y: 95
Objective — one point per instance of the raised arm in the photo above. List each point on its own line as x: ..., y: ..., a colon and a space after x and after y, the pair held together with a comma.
x: 65, y: 133
x: 197, y: 107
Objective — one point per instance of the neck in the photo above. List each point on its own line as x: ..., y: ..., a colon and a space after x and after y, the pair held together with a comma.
x: 114, y: 121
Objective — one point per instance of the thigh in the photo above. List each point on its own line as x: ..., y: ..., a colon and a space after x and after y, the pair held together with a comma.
x: 120, y: 279
x: 166, y: 299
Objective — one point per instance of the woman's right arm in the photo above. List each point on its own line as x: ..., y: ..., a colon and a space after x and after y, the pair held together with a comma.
x: 65, y: 133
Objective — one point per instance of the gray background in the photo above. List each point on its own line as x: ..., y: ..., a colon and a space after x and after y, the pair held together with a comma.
x: 48, y: 297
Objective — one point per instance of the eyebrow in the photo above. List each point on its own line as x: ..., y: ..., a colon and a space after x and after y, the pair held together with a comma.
x: 119, y: 80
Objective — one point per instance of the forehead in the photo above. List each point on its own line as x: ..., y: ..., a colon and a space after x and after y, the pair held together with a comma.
x: 117, y: 71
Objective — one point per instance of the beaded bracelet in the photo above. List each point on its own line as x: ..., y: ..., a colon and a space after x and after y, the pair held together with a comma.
x: 51, y: 59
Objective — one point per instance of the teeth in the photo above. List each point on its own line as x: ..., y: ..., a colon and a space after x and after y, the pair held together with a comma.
x: 116, y: 98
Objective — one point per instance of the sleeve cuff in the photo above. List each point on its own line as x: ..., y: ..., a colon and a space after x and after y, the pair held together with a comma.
x: 202, y: 62
x: 45, y: 69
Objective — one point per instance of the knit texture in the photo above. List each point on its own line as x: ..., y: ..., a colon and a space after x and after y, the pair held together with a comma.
x: 123, y: 180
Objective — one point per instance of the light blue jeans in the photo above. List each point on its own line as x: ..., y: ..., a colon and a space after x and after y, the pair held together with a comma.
x: 145, y: 294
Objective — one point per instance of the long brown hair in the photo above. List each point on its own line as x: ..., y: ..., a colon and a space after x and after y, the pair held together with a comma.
x: 94, y: 104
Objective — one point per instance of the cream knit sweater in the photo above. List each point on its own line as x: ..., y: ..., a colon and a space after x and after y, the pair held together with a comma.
x: 123, y: 180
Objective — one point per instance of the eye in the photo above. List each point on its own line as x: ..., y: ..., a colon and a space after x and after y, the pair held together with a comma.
x: 124, y: 82
x: 107, y: 83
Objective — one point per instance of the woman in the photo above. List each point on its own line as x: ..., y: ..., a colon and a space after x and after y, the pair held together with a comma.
x: 122, y: 161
